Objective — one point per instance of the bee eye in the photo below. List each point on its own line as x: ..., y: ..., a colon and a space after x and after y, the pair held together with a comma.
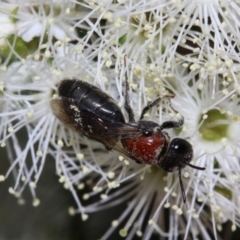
x: 182, y: 147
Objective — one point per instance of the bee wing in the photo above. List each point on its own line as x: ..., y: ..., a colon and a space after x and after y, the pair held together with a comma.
x: 72, y: 117
x: 59, y: 112
x: 110, y: 137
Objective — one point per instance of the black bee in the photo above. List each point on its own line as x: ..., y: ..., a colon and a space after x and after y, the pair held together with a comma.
x: 89, y: 111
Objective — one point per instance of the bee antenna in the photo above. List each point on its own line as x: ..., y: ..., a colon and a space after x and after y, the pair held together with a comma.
x: 180, y: 177
x: 193, y: 166
x: 181, y: 185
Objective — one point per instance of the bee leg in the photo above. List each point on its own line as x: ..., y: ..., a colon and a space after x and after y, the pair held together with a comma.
x: 149, y: 106
x: 127, y: 103
x: 154, y: 103
x: 173, y: 124
x: 167, y: 124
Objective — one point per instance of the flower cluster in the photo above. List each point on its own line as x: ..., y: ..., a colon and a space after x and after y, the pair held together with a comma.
x: 185, y: 48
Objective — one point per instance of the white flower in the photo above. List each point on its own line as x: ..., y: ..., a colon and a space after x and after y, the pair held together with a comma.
x: 7, y: 26
x: 215, y: 187
x: 34, y: 19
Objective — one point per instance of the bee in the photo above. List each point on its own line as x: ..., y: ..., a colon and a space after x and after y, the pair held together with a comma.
x: 89, y: 111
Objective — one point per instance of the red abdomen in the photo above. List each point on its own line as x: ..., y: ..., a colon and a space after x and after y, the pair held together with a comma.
x: 145, y: 149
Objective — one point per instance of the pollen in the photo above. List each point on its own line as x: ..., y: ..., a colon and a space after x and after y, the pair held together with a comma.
x: 67, y: 11
x: 71, y: 211
x: 61, y: 179
x: 175, y: 207
x: 151, y: 222
x: 186, y: 174
x: 104, y: 196
x: 32, y: 185
x: 225, y: 92
x: 17, y: 195
x: 86, y: 196
x: 57, y: 72
x: 211, y: 194
x: 172, y: 20
x: 166, y: 189
x: 167, y: 205
x: 97, y: 189
x: 224, y: 141
x: 123, y: 232
x: 58, y: 43
x: 65, y: 185
x: 2, y: 178
x: 111, y: 175
x: 200, y: 86
x: 205, y: 116
x: 200, y: 199
x: 80, y: 156
x: 126, y: 162
x: 81, y: 186
x: 47, y: 54
x: 190, y: 211
x: 229, y: 63
x: 118, y: 22
x: 67, y: 39
x: 36, y: 57
x: 84, y: 217
x: 55, y: 96
x: 234, y: 177
x: 108, y: 16
x: 139, y: 233
x: 60, y: 143
x: 219, y: 227
x: 85, y: 169
x: 115, y: 223
x: 11, y: 190
x: 183, y: 40
x: 195, y: 215
x: 10, y: 129
x: 108, y: 63
x: 36, y: 78
x: 35, y: 202
x: 105, y: 55
x: 39, y: 153
x: 79, y: 48
x: 113, y: 184
x: 179, y: 211
x: 196, y: 50
x: 29, y: 114
x: 174, y: 194
x: 235, y: 118
x: 233, y: 228
x: 21, y: 201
